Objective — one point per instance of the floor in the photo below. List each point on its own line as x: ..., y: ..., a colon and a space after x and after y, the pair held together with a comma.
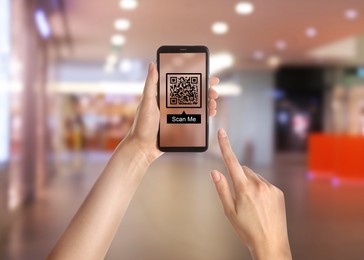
x: 176, y: 213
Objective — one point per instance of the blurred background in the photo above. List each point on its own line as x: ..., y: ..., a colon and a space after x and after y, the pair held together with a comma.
x: 291, y: 98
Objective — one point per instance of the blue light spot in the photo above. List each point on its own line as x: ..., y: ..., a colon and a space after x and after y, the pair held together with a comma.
x: 42, y: 23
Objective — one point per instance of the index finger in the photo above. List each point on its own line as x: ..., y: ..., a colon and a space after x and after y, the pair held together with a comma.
x: 231, y: 162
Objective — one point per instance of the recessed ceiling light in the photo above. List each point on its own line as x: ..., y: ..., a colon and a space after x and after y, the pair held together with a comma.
x: 258, y: 55
x: 128, y: 4
x: 281, y: 45
x: 311, y: 32
x: 351, y: 14
x: 273, y: 61
x: 122, y: 24
x: 244, y: 8
x: 117, y: 40
x: 220, y: 28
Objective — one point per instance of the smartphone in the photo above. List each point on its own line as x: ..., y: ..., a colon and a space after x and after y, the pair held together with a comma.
x: 182, y: 98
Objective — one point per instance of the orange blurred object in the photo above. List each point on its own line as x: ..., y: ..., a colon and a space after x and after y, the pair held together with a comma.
x: 339, y: 156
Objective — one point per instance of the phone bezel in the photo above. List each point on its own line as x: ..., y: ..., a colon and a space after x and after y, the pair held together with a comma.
x: 186, y: 49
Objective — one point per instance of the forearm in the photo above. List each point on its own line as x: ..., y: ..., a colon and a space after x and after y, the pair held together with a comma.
x: 91, y: 231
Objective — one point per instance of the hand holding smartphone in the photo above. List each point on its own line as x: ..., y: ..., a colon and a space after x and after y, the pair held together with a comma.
x: 182, y: 98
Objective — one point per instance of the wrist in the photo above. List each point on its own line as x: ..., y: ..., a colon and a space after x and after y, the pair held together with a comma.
x: 263, y: 251
x: 130, y: 151
x: 143, y: 154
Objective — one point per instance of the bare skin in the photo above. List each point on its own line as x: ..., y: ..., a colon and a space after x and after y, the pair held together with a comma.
x: 91, y: 231
x: 257, y: 213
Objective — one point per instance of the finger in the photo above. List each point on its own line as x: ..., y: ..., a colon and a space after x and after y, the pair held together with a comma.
x: 249, y: 173
x: 150, y: 88
x: 252, y: 176
x: 223, y: 190
x: 212, y: 104
x: 231, y: 162
x: 264, y: 180
x: 213, y: 93
x: 212, y: 113
x: 214, y: 81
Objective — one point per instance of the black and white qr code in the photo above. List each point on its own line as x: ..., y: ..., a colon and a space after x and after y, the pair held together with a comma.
x: 183, y: 90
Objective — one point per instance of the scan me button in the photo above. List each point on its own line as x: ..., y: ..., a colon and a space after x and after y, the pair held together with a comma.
x: 183, y: 118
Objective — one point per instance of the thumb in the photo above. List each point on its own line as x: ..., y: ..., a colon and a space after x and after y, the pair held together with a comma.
x: 224, y: 192
x: 150, y: 88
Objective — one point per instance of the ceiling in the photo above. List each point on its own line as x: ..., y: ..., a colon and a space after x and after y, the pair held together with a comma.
x: 160, y: 22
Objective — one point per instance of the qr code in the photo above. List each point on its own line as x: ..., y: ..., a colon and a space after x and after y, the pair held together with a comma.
x: 183, y: 90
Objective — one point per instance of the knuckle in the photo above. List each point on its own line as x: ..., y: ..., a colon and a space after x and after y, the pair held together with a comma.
x: 279, y: 192
x: 261, y: 187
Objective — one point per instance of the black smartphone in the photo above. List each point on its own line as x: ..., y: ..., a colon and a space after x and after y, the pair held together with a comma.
x: 182, y: 98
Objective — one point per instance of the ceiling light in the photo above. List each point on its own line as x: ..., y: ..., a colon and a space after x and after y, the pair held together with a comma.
x: 219, y: 62
x: 244, y: 8
x: 122, y: 24
x: 311, y: 32
x: 351, y: 14
x: 273, y: 61
x: 281, y: 45
x: 117, y: 40
x: 219, y: 28
x: 128, y: 4
x: 258, y: 55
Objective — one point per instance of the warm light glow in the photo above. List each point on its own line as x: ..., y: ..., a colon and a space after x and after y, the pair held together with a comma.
x: 111, y: 59
x: 244, y: 8
x: 274, y: 61
x: 122, y: 24
x: 258, y: 55
x: 281, y: 45
x: 109, y: 68
x: 228, y: 89
x: 16, y: 66
x: 128, y: 4
x: 311, y: 32
x: 117, y: 40
x: 219, y: 62
x: 220, y: 28
x: 127, y: 88
x: 351, y: 14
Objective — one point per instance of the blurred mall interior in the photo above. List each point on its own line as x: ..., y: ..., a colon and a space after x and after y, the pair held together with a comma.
x: 291, y: 98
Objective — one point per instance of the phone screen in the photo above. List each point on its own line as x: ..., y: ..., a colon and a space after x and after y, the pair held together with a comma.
x: 183, y: 79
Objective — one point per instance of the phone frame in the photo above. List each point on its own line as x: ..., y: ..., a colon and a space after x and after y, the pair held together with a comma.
x: 186, y: 49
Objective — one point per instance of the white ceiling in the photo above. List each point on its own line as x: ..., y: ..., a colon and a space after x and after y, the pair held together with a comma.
x: 159, y: 22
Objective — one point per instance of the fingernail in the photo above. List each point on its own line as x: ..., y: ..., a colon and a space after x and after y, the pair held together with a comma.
x: 215, y: 176
x: 222, y: 132
x: 150, y: 66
